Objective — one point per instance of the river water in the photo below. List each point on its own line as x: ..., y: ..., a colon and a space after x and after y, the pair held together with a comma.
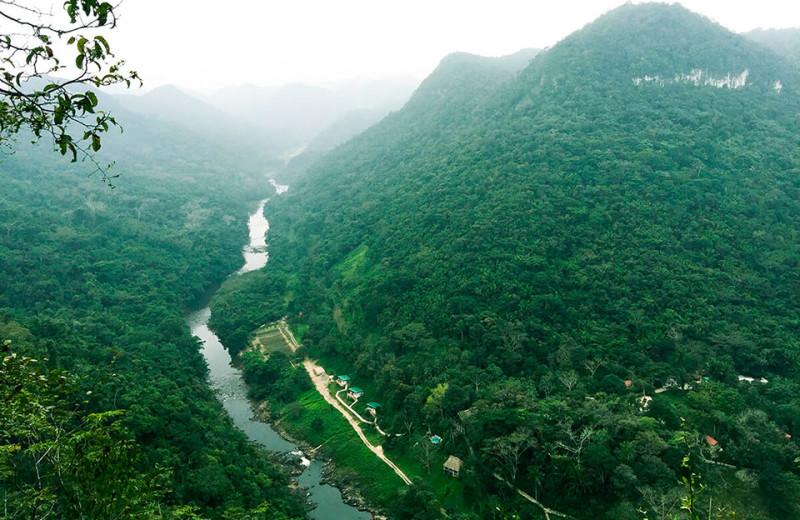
x: 229, y: 387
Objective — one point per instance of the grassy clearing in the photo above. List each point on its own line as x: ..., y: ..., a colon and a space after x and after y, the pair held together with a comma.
x: 449, y: 490
x: 319, y: 424
x: 354, y: 265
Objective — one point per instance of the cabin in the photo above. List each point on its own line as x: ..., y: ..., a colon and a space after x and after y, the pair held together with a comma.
x: 343, y: 381
x: 354, y: 393
x: 644, y: 401
x: 435, y: 439
x: 372, y: 408
x: 628, y: 383
x: 713, y: 442
x: 452, y: 466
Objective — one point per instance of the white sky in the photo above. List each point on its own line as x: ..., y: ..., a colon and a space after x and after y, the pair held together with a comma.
x: 203, y: 45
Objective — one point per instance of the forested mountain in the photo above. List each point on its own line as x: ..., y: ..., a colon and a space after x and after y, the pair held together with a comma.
x: 168, y: 109
x: 544, y: 248
x: 785, y: 42
x: 106, y: 410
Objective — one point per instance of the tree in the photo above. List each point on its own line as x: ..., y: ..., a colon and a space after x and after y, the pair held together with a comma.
x: 38, y: 45
x: 425, y: 452
x: 509, y: 450
x: 56, y: 460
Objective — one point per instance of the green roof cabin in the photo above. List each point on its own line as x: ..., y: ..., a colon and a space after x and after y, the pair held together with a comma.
x: 372, y: 408
x: 343, y: 381
x: 355, y: 392
x: 435, y: 439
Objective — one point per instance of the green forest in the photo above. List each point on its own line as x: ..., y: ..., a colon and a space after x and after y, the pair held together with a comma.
x: 581, y: 273
x: 106, y: 411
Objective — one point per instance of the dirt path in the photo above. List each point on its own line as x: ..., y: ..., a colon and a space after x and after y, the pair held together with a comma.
x: 546, y: 510
x: 288, y: 337
x: 321, y: 380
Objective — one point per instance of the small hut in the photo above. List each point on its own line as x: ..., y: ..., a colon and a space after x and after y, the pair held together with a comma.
x: 452, y: 466
x: 372, y: 408
x: 435, y: 439
x: 343, y: 381
x: 355, y: 392
x: 714, y: 443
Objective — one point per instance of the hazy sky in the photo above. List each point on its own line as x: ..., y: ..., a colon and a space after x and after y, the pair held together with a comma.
x: 205, y: 45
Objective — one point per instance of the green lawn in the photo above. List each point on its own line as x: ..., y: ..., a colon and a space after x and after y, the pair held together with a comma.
x: 355, y: 463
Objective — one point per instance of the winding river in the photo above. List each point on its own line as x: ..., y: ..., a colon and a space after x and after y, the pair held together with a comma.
x: 229, y: 387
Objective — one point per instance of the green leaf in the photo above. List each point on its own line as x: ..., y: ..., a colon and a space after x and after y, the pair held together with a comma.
x: 104, y: 43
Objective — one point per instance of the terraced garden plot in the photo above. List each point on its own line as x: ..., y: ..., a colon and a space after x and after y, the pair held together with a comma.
x: 269, y: 339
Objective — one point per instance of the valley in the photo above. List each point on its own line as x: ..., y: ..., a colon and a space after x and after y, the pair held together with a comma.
x: 555, y: 282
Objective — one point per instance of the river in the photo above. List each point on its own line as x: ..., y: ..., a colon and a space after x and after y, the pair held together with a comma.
x: 228, y: 384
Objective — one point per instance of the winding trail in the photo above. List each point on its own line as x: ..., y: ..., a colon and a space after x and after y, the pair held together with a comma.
x: 321, y: 381
x: 339, y: 398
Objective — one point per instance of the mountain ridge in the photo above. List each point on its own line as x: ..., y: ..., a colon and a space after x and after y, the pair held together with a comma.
x: 521, y: 248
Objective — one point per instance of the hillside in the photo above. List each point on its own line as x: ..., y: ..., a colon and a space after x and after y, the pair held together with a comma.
x: 544, y: 247
x: 115, y: 418
x: 785, y: 42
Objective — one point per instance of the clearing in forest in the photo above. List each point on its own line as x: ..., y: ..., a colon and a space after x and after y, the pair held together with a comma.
x: 270, y: 338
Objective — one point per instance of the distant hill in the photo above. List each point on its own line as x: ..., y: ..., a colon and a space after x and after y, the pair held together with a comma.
x: 178, y: 109
x: 459, y: 76
x: 785, y: 42
x: 527, y: 244
x: 299, y: 112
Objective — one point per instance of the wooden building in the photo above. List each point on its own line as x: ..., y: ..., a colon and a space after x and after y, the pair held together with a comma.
x: 452, y: 466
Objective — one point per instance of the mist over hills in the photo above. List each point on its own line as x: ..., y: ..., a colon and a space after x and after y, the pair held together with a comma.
x: 459, y: 77
x: 518, y: 241
x: 302, y: 111
x: 785, y: 42
x: 269, y: 121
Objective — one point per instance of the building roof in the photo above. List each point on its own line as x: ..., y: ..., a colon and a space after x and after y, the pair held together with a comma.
x: 464, y: 414
x: 453, y: 464
x: 436, y: 439
x: 373, y: 405
x: 628, y: 383
x: 711, y: 440
x: 356, y: 390
x: 343, y: 378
